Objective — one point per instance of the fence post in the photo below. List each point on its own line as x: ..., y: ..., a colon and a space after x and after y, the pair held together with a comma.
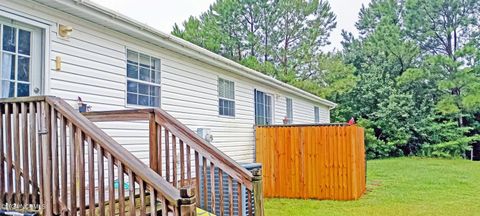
x: 258, y: 192
x: 187, y: 204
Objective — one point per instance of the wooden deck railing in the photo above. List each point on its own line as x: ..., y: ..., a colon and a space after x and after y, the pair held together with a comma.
x: 181, y: 157
x: 54, y: 159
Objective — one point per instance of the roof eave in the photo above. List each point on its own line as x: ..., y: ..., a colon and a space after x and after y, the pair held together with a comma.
x: 118, y: 22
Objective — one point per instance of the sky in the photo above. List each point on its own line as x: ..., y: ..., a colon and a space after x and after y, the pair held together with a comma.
x: 162, y: 14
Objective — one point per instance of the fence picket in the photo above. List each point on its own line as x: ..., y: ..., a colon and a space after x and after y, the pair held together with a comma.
x: 319, y: 162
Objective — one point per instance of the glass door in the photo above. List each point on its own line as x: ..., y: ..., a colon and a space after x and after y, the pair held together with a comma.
x: 263, y: 108
x: 20, y: 61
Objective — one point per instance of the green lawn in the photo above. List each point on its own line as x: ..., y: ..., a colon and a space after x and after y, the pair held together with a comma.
x: 401, y: 186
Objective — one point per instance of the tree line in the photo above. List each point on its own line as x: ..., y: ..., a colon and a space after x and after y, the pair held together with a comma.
x: 411, y: 77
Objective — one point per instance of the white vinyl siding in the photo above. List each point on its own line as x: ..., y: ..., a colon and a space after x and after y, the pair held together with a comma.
x: 94, y: 67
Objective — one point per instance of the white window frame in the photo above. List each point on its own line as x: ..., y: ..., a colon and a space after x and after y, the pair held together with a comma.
x: 316, y: 114
x: 289, y: 110
x: 227, y: 99
x: 159, y: 85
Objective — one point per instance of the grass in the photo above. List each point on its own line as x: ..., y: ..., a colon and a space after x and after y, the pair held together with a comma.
x: 401, y: 186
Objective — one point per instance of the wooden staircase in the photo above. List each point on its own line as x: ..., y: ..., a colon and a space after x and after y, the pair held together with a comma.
x: 56, y: 161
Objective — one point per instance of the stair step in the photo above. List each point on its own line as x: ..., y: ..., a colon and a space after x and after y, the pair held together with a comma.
x: 128, y: 207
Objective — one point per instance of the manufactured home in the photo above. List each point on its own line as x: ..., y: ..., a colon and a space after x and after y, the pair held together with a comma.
x: 73, y: 49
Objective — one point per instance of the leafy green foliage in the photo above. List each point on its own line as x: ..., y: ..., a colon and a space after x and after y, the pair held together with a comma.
x: 411, y: 78
x: 281, y: 38
x: 417, y: 63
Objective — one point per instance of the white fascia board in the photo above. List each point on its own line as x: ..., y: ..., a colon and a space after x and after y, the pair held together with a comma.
x: 110, y: 19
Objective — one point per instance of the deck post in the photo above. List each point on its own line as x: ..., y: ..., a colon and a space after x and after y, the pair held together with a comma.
x: 258, y: 191
x: 188, y: 206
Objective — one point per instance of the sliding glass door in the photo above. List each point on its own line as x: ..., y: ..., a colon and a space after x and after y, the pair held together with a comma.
x: 263, y: 108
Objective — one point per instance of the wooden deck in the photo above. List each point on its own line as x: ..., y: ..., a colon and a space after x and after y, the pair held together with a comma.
x: 57, y: 159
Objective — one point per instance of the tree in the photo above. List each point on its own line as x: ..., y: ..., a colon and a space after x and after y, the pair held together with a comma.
x: 288, y: 34
x: 415, y: 61
x: 442, y: 28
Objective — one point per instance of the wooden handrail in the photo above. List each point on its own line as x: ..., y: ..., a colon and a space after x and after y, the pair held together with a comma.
x: 44, y: 127
x: 117, y: 150
x: 209, y: 151
x: 175, y: 150
x: 23, y: 99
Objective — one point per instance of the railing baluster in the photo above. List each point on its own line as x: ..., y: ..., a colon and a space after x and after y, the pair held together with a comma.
x: 8, y: 147
x: 205, y: 195
x: 73, y: 171
x: 164, y: 206
x: 182, y: 164
x: 63, y: 160
x: 239, y: 197
x: 33, y: 150
x: 131, y: 183
x: 111, y: 184
x: 143, y: 207
x: 2, y: 159
x: 40, y: 152
x: 230, y: 196
x: 91, y: 176
x: 220, y: 191
x: 47, y: 158
x: 197, y: 176
x: 153, y: 204
x: 158, y: 128
x: 167, y: 155
x: 249, y: 204
x: 81, y: 170
x: 153, y: 146
x: 189, y: 169
x: 121, y: 188
x: 212, y: 186
x: 16, y: 148
x: 26, y: 171
x: 101, y: 181
x: 55, y: 173
x: 174, y: 155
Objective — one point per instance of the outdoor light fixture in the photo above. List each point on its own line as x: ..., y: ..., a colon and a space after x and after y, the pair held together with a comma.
x: 64, y: 30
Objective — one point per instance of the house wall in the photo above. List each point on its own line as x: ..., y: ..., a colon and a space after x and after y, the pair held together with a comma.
x: 94, y: 68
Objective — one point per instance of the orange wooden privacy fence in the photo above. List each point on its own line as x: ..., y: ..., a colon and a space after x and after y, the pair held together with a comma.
x: 312, y: 161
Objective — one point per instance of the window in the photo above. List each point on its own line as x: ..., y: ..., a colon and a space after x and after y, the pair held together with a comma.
x: 317, y: 114
x: 289, y: 111
x: 16, y: 62
x: 143, y: 79
x: 226, y: 97
x: 263, y: 108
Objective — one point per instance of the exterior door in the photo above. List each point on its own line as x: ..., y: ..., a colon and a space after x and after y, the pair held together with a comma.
x: 20, y: 59
x: 263, y: 108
